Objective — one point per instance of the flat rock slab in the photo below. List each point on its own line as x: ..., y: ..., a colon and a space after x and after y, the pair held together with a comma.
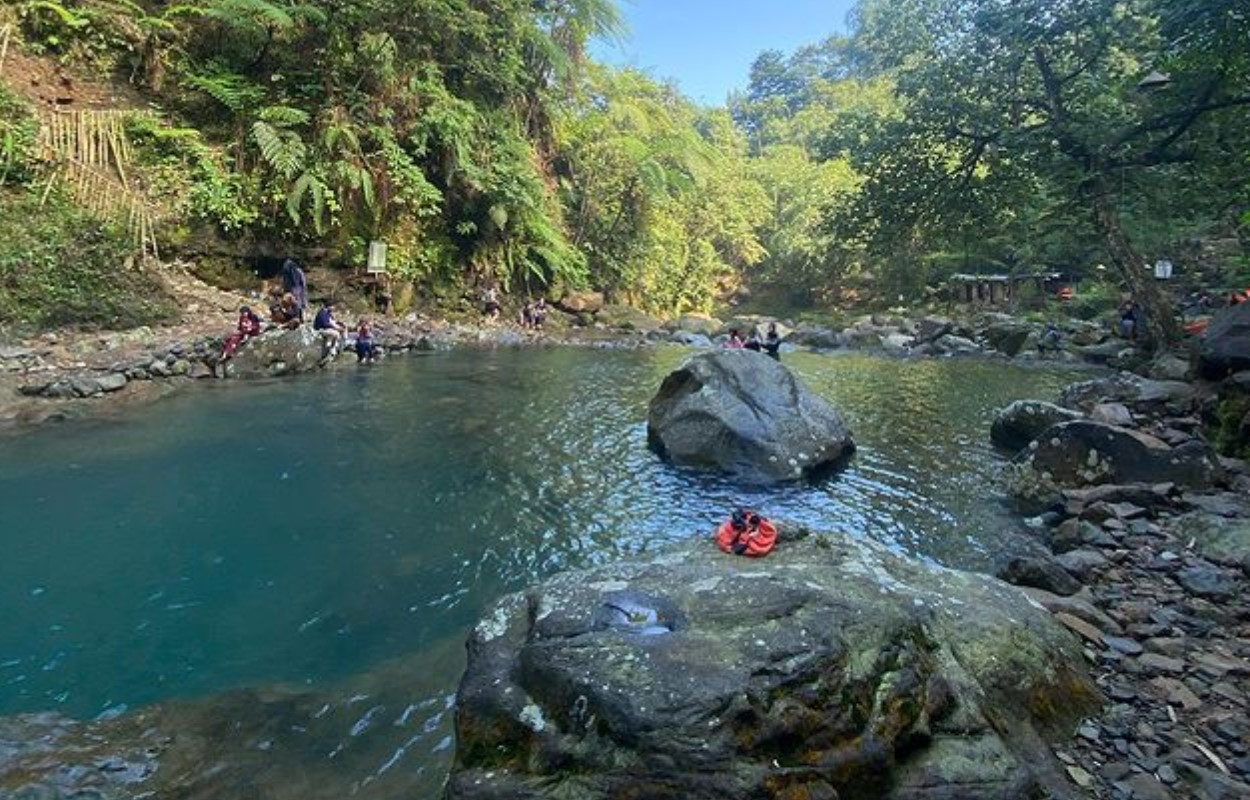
x: 831, y: 668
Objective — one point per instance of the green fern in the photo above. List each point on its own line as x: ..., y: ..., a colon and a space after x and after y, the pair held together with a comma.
x: 283, y: 116
x: 312, y: 186
x: 283, y: 150
x: 231, y: 89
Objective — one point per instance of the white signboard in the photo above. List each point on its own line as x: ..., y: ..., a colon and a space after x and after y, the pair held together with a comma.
x: 1163, y: 269
x: 377, y: 257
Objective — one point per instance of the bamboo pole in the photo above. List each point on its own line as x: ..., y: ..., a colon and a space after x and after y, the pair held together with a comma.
x: 5, y: 33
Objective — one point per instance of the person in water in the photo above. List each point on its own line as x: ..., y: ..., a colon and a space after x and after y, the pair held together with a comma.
x: 295, y: 283
x: 366, y: 350
x: 772, y: 342
x: 249, y: 326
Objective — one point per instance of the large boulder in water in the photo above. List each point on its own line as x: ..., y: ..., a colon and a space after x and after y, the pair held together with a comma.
x: 1024, y: 420
x: 833, y: 668
x: 1226, y: 346
x: 1088, y: 453
x: 280, y: 352
x: 742, y: 412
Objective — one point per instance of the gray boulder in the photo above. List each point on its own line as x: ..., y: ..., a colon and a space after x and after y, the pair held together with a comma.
x: 690, y: 339
x: 930, y: 328
x: 1226, y: 346
x: 1024, y: 420
x: 698, y: 323
x: 1138, y: 394
x: 741, y: 412
x: 281, y: 352
x: 833, y: 668
x: 1008, y: 338
x: 817, y: 337
x: 1087, y: 453
x: 1112, y: 414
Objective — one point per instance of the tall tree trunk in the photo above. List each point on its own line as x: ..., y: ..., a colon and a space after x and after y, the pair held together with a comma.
x: 1160, y: 317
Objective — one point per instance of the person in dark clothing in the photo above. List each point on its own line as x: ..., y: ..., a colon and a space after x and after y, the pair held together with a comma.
x: 772, y: 342
x: 1129, y: 320
x: 295, y: 283
x: 366, y: 351
x: 332, y: 331
x: 325, y: 321
x: 753, y: 341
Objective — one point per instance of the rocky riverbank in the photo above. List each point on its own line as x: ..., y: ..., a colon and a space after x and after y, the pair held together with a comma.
x: 1147, y: 540
x: 70, y: 374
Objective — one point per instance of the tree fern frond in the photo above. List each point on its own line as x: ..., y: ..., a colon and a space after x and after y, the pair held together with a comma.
x: 282, y: 150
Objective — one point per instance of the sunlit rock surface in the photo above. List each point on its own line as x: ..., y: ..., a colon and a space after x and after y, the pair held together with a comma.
x: 833, y: 668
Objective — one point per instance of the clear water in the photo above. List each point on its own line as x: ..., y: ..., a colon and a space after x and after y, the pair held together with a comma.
x: 306, y: 531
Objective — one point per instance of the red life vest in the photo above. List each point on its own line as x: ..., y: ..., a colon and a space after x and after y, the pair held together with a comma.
x: 758, y: 540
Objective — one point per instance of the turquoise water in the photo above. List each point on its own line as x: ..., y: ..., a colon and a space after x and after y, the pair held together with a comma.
x: 306, y: 531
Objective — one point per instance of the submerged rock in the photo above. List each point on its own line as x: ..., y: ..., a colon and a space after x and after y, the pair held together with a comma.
x: 281, y: 352
x: 744, y: 413
x: 832, y: 668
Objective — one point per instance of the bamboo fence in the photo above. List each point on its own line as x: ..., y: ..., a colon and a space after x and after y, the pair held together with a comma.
x: 89, y: 154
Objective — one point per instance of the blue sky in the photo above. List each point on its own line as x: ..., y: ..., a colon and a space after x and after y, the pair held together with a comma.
x: 707, y: 46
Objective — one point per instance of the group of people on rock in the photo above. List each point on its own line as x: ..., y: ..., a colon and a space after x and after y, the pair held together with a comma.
x: 289, y: 301
x: 769, y: 344
x: 534, y: 314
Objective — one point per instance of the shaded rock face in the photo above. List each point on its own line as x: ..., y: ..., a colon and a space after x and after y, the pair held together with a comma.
x: 1226, y: 347
x: 1008, y: 338
x: 1088, y: 453
x: 281, y: 352
x: 831, y: 669
x: 743, y: 413
x: 1024, y: 420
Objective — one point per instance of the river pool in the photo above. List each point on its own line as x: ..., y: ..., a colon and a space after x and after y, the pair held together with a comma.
x: 307, y: 532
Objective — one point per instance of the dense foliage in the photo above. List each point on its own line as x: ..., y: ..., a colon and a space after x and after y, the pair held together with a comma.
x: 60, y: 267
x: 479, y: 140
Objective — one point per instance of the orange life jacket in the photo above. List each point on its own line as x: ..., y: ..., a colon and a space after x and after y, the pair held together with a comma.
x: 759, y: 540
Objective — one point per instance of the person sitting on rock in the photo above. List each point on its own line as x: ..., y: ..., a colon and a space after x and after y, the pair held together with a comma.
x: 1051, y: 339
x: 734, y: 342
x: 249, y: 326
x: 491, y: 306
x: 287, y: 313
x: 366, y: 350
x: 753, y: 341
x: 331, y: 330
x: 538, y: 314
x: 1128, y: 320
x: 746, y: 533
